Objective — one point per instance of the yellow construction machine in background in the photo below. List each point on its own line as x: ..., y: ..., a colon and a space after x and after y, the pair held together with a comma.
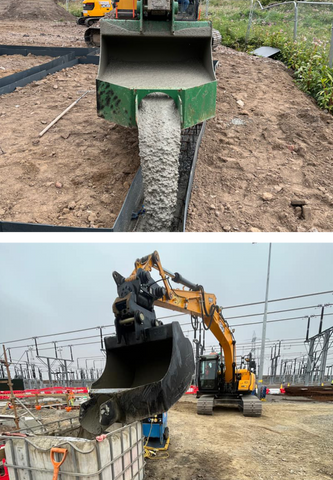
x: 94, y: 10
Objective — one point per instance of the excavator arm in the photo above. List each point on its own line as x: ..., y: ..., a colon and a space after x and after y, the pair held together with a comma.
x: 194, y: 301
x: 149, y: 365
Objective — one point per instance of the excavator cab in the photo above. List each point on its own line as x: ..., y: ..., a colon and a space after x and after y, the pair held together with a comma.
x: 209, y: 366
x: 149, y: 366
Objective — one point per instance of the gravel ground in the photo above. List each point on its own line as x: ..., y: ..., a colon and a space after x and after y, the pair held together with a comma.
x: 290, y: 441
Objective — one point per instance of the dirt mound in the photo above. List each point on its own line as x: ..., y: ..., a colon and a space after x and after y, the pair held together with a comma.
x: 269, y: 144
x: 36, y: 10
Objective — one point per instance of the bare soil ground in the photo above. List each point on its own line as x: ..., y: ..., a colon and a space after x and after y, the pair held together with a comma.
x: 91, y: 159
x: 257, y: 155
x: 290, y: 440
x: 40, y: 33
x: 273, y: 146
x: 10, y: 64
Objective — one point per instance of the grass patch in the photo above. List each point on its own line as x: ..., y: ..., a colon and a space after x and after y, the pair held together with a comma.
x: 74, y: 7
x: 308, y: 56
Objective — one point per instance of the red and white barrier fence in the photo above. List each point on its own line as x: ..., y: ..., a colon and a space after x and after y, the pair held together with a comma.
x: 192, y: 390
x: 5, y: 395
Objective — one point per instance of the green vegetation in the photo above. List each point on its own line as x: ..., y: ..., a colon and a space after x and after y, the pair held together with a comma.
x: 308, y: 56
x: 74, y: 7
x: 310, y: 65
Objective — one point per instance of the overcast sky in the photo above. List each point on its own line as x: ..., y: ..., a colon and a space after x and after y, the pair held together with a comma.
x: 50, y: 288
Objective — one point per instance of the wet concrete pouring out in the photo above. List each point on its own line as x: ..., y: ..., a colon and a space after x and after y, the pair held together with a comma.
x: 159, y: 145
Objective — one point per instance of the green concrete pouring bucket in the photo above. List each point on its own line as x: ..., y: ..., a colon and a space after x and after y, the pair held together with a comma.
x: 136, y: 62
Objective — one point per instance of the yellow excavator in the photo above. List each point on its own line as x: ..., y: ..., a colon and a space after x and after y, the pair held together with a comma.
x: 149, y: 366
x: 94, y: 10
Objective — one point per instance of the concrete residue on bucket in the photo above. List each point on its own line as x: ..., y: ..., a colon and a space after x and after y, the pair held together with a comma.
x: 159, y: 145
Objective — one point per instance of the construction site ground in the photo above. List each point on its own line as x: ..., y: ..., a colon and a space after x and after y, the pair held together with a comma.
x: 10, y: 64
x: 291, y: 440
x: 47, y: 416
x: 41, y: 33
x: 79, y: 172
x: 268, y: 145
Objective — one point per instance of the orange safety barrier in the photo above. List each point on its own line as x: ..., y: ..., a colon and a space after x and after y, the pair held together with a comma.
x: 5, y: 395
x: 192, y: 390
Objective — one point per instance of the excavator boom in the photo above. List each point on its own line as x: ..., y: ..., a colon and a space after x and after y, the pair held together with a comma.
x: 149, y: 366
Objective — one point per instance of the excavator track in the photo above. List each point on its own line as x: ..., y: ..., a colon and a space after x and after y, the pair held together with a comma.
x: 252, y: 406
x: 92, y: 37
x: 205, y: 405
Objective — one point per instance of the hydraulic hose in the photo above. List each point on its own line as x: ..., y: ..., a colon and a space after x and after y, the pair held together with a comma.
x: 204, y: 312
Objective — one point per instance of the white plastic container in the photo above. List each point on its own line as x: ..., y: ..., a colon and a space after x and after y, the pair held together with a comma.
x: 120, y: 456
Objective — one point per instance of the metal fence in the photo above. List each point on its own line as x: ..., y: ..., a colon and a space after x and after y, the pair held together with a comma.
x: 310, y: 22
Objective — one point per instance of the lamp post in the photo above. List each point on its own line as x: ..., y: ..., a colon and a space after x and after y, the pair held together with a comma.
x: 264, y: 323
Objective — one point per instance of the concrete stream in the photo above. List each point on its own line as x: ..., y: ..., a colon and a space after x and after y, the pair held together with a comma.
x: 159, y: 144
